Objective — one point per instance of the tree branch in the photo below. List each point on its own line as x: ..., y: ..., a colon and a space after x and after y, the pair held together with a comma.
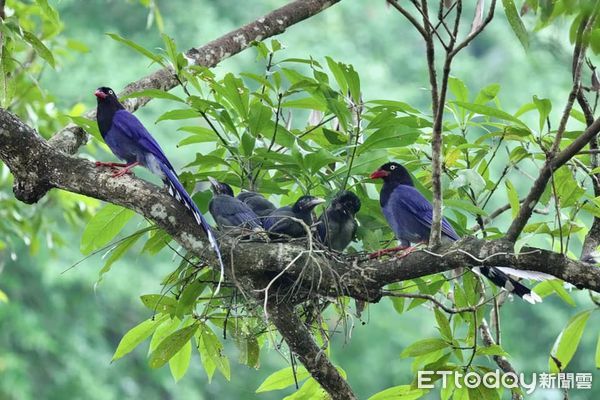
x: 300, y: 341
x: 38, y: 167
x: 556, y: 159
x: 71, y: 137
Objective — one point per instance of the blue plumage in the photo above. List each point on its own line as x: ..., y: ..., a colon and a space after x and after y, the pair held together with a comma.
x: 129, y: 140
x: 410, y: 215
x: 230, y: 212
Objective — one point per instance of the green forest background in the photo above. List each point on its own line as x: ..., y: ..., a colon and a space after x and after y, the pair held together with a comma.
x: 59, y: 329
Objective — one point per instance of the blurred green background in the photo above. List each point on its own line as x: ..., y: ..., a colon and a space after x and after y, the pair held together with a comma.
x: 60, y: 329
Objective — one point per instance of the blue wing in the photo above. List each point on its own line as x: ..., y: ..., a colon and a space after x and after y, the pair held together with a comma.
x: 134, y: 134
x: 128, y: 138
x: 229, y: 211
x: 412, y: 214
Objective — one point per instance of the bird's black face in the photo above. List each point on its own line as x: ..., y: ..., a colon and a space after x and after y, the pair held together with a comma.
x: 220, y: 187
x: 105, y: 94
x: 307, y: 203
x: 393, y: 172
x: 346, y: 201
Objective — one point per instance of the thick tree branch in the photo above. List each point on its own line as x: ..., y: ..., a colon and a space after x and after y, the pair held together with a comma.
x: 70, y: 138
x: 37, y: 167
x: 300, y: 341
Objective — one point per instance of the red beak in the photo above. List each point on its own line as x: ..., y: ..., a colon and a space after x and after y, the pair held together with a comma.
x: 100, y: 94
x: 379, y: 174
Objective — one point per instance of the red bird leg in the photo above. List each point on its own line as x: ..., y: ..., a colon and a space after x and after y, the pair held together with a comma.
x: 125, y: 170
x: 109, y: 164
x: 382, y: 252
x: 410, y: 249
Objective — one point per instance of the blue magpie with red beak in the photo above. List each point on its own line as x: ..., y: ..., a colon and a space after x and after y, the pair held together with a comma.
x: 129, y: 140
x: 410, y: 214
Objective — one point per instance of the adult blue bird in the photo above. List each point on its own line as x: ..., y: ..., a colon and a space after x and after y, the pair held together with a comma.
x: 280, y: 224
x: 337, y: 226
x: 257, y: 202
x: 410, y: 214
x: 228, y: 211
x: 129, y: 140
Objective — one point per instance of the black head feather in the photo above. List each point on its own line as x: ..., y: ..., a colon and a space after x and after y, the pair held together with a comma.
x: 306, y: 204
x: 394, y: 173
x: 108, y: 105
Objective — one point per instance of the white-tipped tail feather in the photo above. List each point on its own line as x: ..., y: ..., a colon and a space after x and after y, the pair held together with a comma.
x: 499, y: 278
x: 533, y: 275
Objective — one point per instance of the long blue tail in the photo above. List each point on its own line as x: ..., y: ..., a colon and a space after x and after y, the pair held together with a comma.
x: 176, y: 190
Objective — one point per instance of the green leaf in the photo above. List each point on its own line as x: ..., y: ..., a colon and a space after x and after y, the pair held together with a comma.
x: 119, y: 250
x: 567, y: 342
x: 490, y: 112
x: 3, y: 297
x: 423, y: 347
x: 49, y: 11
x: 90, y: 126
x: 159, y: 303
x: 259, y: 118
x: 488, y: 93
x: 155, y: 94
x: 39, y: 47
x: 171, y: 345
x: 390, y: 137
x: 171, y: 50
x: 493, y: 350
x: 515, y: 22
x: 282, y: 379
x: 465, y: 205
x: 513, y: 198
x: 137, y: 335
x: 103, y: 227
x: 248, y: 142
x: 311, y: 103
x: 180, y: 362
x: 210, y: 347
x: 544, y: 107
x: 556, y: 286
x: 403, y: 392
x: 338, y: 73
x: 458, y: 89
x: 310, y: 390
x: 470, y: 178
x: 140, y: 49
x: 185, y: 113
x: 443, y: 324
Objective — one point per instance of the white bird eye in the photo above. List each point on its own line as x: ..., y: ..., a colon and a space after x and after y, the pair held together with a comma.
x: 110, y: 92
x: 393, y: 167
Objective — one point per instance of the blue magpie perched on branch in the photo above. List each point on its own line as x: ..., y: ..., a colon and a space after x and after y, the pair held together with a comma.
x: 410, y: 214
x: 129, y: 140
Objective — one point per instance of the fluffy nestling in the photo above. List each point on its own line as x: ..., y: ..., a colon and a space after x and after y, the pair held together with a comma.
x: 336, y: 226
x: 279, y: 224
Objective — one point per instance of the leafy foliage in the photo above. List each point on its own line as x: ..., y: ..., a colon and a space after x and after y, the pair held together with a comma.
x: 304, y: 125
